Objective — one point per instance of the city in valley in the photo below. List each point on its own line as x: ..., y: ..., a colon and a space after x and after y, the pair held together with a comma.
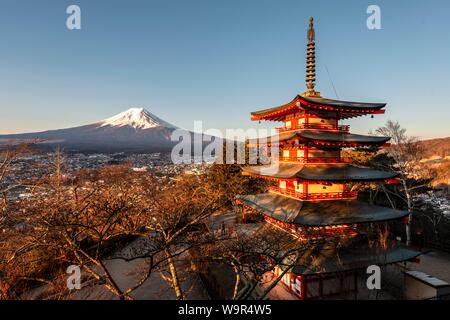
x: 27, y: 170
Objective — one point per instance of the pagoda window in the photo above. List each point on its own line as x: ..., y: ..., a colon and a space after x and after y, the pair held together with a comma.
x: 298, y: 186
x: 282, y: 184
x: 288, y: 124
x: 286, y: 153
x: 322, y: 188
x: 297, y: 286
x: 300, y: 153
x: 287, y: 279
x: 277, y: 271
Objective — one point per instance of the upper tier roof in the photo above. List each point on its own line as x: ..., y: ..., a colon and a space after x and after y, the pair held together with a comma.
x: 342, y: 104
x: 319, y: 213
x: 344, y: 109
x: 339, y: 172
x: 324, y: 136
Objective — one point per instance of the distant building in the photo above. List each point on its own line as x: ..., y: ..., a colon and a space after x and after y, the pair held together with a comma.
x: 140, y: 169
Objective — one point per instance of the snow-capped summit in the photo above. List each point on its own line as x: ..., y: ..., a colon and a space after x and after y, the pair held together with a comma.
x: 134, y: 130
x: 138, y: 118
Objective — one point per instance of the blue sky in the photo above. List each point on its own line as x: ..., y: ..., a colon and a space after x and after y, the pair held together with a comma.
x: 218, y: 60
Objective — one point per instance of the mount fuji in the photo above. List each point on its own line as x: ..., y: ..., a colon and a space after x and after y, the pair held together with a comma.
x: 134, y: 130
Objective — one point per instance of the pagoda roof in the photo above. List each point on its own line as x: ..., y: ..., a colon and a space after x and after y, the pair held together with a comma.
x: 330, y: 136
x: 324, y: 136
x: 275, y: 111
x: 345, y: 109
x: 342, y: 104
x: 319, y: 172
x: 318, y: 213
x: 324, y: 257
x: 282, y: 136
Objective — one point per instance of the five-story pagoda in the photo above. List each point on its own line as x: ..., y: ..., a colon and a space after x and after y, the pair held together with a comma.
x: 312, y: 198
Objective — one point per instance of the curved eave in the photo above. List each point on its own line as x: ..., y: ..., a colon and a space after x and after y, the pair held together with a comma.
x: 339, y: 104
x: 277, y: 171
x: 323, y: 172
x: 340, y: 258
x: 329, y: 136
x: 280, y: 137
x: 326, y: 138
x: 344, y: 109
x: 319, y: 213
x: 275, y: 113
x: 343, y: 173
x: 345, y: 212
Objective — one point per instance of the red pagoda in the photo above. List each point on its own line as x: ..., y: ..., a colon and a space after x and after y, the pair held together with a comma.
x: 313, y: 198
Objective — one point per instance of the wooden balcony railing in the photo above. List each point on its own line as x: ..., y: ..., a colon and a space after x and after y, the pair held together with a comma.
x: 317, y: 126
x: 317, y: 159
x: 314, y: 196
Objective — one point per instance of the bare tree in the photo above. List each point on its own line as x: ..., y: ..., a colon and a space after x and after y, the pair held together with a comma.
x: 85, y: 219
x: 72, y: 224
x: 436, y: 218
x: 175, y: 219
x: 255, y: 251
x: 8, y: 154
x: 406, y: 154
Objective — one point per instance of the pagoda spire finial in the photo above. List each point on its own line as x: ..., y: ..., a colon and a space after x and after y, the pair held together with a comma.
x: 311, y: 62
